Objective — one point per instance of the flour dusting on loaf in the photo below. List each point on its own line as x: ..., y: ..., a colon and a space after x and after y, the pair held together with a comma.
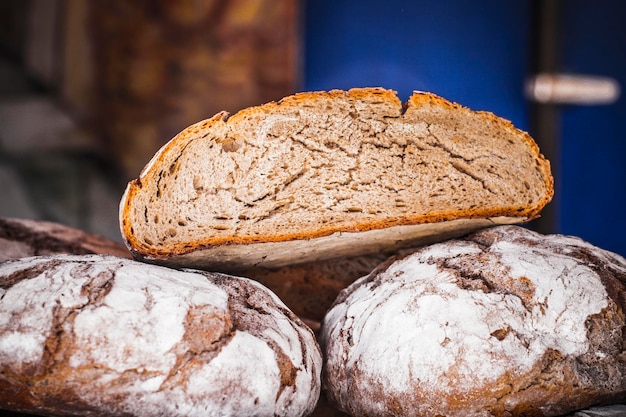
x: 504, y: 322
x: 100, y: 335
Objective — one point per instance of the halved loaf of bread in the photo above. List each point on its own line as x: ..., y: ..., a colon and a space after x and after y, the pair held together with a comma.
x: 327, y: 174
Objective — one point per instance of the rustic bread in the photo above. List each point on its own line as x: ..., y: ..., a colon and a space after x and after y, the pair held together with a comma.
x: 20, y: 238
x: 505, y: 322
x: 99, y: 335
x: 329, y: 174
x: 309, y: 289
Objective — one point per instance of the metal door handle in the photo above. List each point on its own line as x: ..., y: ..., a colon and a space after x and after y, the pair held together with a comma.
x: 572, y: 89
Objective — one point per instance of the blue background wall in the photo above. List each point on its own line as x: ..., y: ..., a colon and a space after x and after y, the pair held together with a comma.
x: 593, y: 175
x: 477, y: 54
x: 467, y: 51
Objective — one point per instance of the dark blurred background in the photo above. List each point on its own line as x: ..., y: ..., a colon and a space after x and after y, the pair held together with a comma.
x: 90, y: 90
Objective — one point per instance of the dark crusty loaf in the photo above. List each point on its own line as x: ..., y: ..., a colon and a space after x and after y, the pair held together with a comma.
x: 505, y: 322
x: 329, y: 174
x: 20, y: 238
x: 309, y: 289
x: 100, y: 335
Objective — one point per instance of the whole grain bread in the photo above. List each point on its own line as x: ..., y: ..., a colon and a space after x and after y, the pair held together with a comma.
x: 504, y: 322
x: 320, y: 175
x: 97, y: 335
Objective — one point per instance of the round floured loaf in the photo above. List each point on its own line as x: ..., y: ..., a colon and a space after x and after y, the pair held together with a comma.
x: 105, y: 336
x: 505, y: 322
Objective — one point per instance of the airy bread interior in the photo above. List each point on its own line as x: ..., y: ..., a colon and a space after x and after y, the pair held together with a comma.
x: 318, y: 163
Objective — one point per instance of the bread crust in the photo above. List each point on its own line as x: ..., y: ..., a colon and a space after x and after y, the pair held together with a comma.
x: 389, y: 105
x: 276, y: 253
